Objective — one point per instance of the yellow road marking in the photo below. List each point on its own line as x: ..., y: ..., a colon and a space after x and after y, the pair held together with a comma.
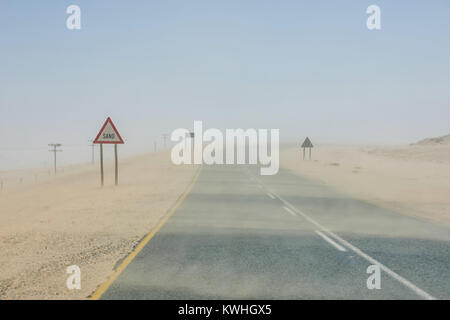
x: 101, y: 290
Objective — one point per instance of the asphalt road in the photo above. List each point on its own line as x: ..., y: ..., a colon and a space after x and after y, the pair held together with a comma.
x: 238, y: 235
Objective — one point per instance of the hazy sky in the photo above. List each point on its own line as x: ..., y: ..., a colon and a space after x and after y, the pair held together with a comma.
x: 305, y: 67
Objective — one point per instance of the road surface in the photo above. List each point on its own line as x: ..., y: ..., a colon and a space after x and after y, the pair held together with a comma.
x: 239, y: 235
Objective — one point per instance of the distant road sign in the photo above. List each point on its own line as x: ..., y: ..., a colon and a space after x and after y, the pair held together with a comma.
x: 108, y: 134
x: 307, y: 143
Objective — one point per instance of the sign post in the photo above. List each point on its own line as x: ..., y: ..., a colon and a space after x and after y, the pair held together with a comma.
x: 116, y: 168
x: 108, y: 134
x: 307, y: 144
x: 102, y: 177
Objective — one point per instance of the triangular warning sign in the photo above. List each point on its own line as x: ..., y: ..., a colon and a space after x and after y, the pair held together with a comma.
x: 307, y: 143
x: 108, y: 133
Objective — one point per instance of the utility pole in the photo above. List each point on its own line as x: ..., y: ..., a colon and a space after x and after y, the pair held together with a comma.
x: 165, y: 136
x: 54, y: 146
x: 93, y: 147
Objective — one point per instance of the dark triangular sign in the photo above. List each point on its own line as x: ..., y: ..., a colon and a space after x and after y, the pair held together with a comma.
x: 307, y: 143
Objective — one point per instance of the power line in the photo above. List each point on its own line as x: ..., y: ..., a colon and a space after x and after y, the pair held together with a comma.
x: 21, y: 148
x: 38, y: 148
x: 55, y: 145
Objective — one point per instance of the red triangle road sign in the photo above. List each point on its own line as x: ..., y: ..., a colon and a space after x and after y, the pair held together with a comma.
x: 108, y: 133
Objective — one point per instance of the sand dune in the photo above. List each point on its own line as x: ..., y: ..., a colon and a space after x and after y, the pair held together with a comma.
x: 413, y: 180
x: 443, y: 140
x: 48, y: 223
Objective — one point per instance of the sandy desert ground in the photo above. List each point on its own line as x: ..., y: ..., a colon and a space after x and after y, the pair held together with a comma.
x: 49, y: 223
x: 411, y: 179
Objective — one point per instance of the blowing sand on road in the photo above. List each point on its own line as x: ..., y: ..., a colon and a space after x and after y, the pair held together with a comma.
x: 413, y: 179
x: 294, y: 235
